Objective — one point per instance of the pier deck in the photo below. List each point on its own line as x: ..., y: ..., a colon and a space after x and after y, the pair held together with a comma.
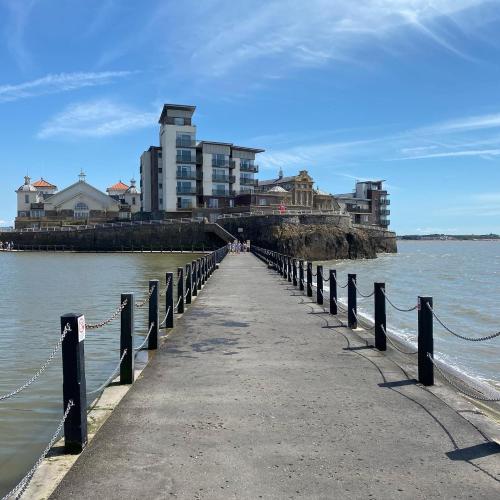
x: 255, y: 397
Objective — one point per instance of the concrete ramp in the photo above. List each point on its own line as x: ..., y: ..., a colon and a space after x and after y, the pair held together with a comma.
x: 212, y: 227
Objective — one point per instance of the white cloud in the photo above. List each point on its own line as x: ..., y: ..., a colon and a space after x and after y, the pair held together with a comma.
x: 62, y: 82
x: 96, y: 119
x: 277, y: 36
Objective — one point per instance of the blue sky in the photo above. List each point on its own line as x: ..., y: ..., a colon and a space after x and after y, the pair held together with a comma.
x: 403, y: 90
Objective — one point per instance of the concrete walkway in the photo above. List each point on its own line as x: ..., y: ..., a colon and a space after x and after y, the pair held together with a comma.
x: 255, y: 397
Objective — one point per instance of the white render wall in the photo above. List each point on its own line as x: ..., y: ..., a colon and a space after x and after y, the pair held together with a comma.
x: 146, y: 180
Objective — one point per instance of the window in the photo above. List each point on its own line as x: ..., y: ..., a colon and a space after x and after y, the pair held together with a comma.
x: 160, y: 186
x: 133, y: 200
x: 184, y: 155
x: 231, y: 203
x: 26, y: 198
x: 184, y: 171
x: 184, y: 203
x: 262, y: 201
x: 37, y: 213
x: 81, y: 210
x: 213, y: 203
x: 161, y: 201
x: 160, y: 170
x: 178, y: 121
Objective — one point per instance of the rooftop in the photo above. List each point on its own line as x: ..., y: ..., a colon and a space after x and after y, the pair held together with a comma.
x: 42, y: 183
x: 119, y: 186
x: 183, y: 107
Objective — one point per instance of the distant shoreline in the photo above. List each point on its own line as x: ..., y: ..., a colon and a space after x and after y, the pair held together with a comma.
x: 449, y: 237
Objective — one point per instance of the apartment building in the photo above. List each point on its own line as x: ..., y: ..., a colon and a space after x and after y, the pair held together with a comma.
x: 367, y: 204
x: 185, y: 175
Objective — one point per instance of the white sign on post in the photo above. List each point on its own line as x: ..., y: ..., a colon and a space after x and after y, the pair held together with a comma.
x: 81, y: 328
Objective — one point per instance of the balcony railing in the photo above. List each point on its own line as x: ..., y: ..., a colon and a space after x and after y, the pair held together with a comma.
x: 185, y: 143
x: 246, y: 181
x: 184, y: 206
x: 186, y: 190
x: 223, y: 178
x: 188, y: 176
x: 358, y: 210
x: 223, y: 192
x: 385, y: 222
x: 385, y: 201
x: 249, y: 168
x: 185, y: 159
x: 384, y: 211
x: 220, y: 163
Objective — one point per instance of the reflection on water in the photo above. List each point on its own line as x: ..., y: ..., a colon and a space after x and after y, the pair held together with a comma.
x: 464, y: 279
x: 36, y: 289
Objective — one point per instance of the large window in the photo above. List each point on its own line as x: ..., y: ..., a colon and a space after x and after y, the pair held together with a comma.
x: 184, y: 155
x: 213, y: 203
x: 81, y: 210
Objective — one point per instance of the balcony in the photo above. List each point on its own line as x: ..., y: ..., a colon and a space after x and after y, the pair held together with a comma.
x: 222, y: 192
x: 385, y: 222
x: 358, y: 210
x: 249, y: 168
x: 223, y: 178
x: 185, y: 159
x: 384, y: 211
x: 185, y: 143
x: 246, y: 190
x: 186, y: 190
x: 385, y: 201
x: 184, y: 206
x: 220, y: 163
x: 188, y: 176
x: 246, y: 181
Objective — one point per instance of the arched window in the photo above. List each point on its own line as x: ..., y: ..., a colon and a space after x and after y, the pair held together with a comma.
x: 81, y: 210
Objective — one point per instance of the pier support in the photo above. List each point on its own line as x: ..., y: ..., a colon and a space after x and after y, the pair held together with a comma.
x: 127, y: 339
x: 154, y: 314
x: 380, y: 316
x: 425, y: 341
x: 333, y: 291
x: 352, y: 307
x: 74, y: 384
x: 319, y: 285
x: 169, y: 301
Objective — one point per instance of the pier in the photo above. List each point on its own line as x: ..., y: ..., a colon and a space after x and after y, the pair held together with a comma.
x: 267, y: 387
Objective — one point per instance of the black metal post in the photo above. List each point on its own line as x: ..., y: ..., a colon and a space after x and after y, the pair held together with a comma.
x: 169, y: 301
x: 199, y: 273
x: 380, y: 317
x: 425, y: 341
x: 319, y: 285
x: 352, y: 308
x: 127, y: 339
x: 333, y: 291
x: 74, y: 384
x: 289, y: 262
x: 188, y: 284
x: 154, y: 314
x: 294, y: 272
x: 309, y: 279
x: 180, y: 290
x: 301, y: 275
x: 194, y: 278
x: 202, y: 274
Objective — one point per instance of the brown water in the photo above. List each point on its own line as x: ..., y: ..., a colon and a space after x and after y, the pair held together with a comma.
x: 36, y: 289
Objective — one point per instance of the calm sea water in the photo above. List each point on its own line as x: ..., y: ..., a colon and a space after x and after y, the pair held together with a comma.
x: 463, y: 277
x: 36, y: 289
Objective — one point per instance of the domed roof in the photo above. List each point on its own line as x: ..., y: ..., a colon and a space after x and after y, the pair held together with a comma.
x: 27, y: 186
x: 278, y: 189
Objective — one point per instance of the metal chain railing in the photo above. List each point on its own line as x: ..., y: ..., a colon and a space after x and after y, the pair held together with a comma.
x: 142, y: 303
x: 145, y: 338
x: 176, y: 307
x: 162, y: 324
x: 466, y: 392
x: 110, y: 378
x: 401, y: 309
x: 162, y: 294
x: 470, y: 339
x: 343, y: 309
x: 388, y: 337
x: 65, y: 331
x: 361, y: 322
x: 322, y: 275
x: 338, y: 284
x: 18, y: 490
x: 366, y: 296
x: 95, y: 326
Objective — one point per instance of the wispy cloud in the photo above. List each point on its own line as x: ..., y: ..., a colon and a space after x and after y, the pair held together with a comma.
x: 62, y: 82
x: 99, y: 118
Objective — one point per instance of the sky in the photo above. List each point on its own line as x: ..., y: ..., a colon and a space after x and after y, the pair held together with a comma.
x: 402, y: 90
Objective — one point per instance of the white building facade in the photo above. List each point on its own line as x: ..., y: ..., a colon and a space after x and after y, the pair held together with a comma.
x: 183, y: 174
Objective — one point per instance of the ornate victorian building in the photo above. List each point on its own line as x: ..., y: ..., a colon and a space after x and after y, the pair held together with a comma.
x: 40, y: 204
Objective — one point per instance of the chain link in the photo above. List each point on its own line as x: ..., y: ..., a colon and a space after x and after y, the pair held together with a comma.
x: 470, y: 339
x: 360, y: 292
x: 368, y: 328
x: 145, y: 338
x: 338, y: 284
x: 166, y: 287
x: 162, y: 324
x: 339, y: 306
x: 396, y: 307
x: 95, y: 326
x: 461, y: 389
x: 142, y: 303
x: 110, y: 378
x: 65, y: 331
x: 388, y: 337
x: 18, y: 490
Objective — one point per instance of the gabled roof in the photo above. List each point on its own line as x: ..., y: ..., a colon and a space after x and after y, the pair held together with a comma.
x: 277, y: 189
x: 277, y: 181
x: 42, y: 183
x: 119, y: 186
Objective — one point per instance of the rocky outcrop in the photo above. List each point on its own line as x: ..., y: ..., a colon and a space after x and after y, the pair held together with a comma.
x: 324, y: 242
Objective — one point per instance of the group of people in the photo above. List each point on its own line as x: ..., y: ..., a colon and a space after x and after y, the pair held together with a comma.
x: 237, y: 247
x: 8, y: 245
